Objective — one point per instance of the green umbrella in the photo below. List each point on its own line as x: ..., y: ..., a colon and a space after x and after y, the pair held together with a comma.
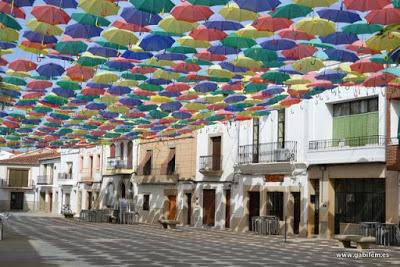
x: 9, y: 22
x: 200, y: 62
x: 133, y: 76
x: 14, y: 80
x: 157, y: 114
x: 151, y: 87
x: 42, y: 109
x: 69, y: 85
x: 219, y: 79
x: 55, y: 99
x: 362, y: 28
x: 209, y: 2
x: 103, y: 42
x: 89, y: 19
x: 317, y: 43
x: 276, y: 99
x: 291, y: 11
x: 395, y: 71
x: 91, y: 60
x: 275, y: 76
x: 261, y: 54
x: 273, y: 64
x: 380, y: 58
x: 71, y: 47
x: 236, y: 41
x: 254, y: 87
x: 396, y: 3
x: 112, y: 135
x: 182, y: 50
x: 260, y: 113
x: 153, y: 6
x: 215, y: 118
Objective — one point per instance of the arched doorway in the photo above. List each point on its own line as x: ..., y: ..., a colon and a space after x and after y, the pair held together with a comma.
x: 122, y: 190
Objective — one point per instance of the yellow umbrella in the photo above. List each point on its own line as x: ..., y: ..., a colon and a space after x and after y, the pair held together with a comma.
x: 297, y: 79
x: 315, y: 3
x: 105, y: 77
x: 136, y: 48
x: 316, y: 26
x: 233, y: 12
x: 217, y: 71
x: 355, y: 77
x: 345, y: 67
x: 43, y: 51
x: 245, y: 113
x: 308, y: 64
x: 212, y: 99
x: 251, y: 32
x: 171, y: 24
x: 189, y: 41
x: 195, y: 106
x: 166, y: 75
x: 120, y: 36
x: 44, y: 28
x: 108, y: 99
x: 242, y: 61
x: 88, y: 113
x: 121, y: 109
x: 6, y: 52
x: 8, y: 34
x: 100, y: 8
x: 202, y: 115
x: 22, y: 74
x: 160, y: 99
x: 128, y: 83
x: 162, y: 63
x: 386, y: 41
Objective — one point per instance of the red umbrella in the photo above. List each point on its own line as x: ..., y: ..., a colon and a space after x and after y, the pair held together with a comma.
x: 142, y: 70
x: 268, y: 23
x: 22, y: 65
x: 365, y: 65
x: 207, y: 55
x: 217, y: 106
x: 80, y: 73
x: 122, y: 24
x: 140, y: 92
x: 12, y: 10
x: 88, y: 91
x: 50, y: 14
x: 136, y: 114
x: 187, y: 97
x: 378, y: 79
x: 300, y: 51
x: 206, y: 34
x: 34, y: 45
x: 236, y: 86
x: 185, y: 67
x: 365, y: 5
x: 361, y: 48
x: 321, y: 84
x: 193, y: 76
x: 177, y: 87
x: 3, y: 62
x: 386, y: 16
x: 191, y: 13
x: 290, y: 101
x: 39, y: 85
x: 295, y: 34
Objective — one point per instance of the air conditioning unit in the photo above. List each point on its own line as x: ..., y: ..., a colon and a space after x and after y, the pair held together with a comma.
x: 282, y: 155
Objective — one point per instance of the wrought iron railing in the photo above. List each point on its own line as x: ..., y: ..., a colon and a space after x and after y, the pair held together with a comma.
x: 211, y: 163
x: 44, y: 179
x: 118, y: 163
x: 64, y: 176
x: 157, y: 170
x: 373, y: 140
x: 268, y: 152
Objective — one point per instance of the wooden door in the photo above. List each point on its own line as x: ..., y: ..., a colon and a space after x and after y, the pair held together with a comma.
x: 42, y: 201
x: 189, y: 208
x: 50, y: 202
x: 254, y: 207
x: 130, y: 155
x: 296, y: 212
x: 216, y: 153
x: 171, y: 207
x: 17, y: 201
x: 209, y: 207
x: 89, y: 200
x: 228, y: 208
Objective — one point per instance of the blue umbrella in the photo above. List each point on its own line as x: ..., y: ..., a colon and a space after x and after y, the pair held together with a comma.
x: 229, y: 66
x: 395, y: 55
x: 62, y: 3
x: 180, y: 115
x: 330, y: 75
x: 96, y: 106
x: 6, y: 45
x: 136, y: 55
x: 171, y: 56
x: 337, y: 15
x: 169, y: 94
x: 62, y: 57
x: 97, y: 85
x: 170, y: 106
x: 158, y: 81
x: 130, y: 102
x: 103, y: 51
x: 205, y: 87
x: 20, y: 3
x: 155, y: 42
x: 139, y: 17
x: 278, y: 44
x: 223, y: 50
x: 63, y: 92
x: 119, y: 90
x: 50, y: 70
x: 273, y: 90
x: 258, y: 5
x: 234, y: 108
x: 39, y: 38
x: 119, y: 65
x: 108, y: 114
x: 78, y: 30
x: 234, y: 98
x: 341, y: 55
x: 223, y: 25
x: 338, y: 38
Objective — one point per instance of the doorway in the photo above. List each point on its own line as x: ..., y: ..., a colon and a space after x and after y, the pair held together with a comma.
x: 296, y: 212
x: 17, y: 201
x: 254, y: 207
x: 208, y: 207
x: 228, y: 208
x: 314, y: 200
x: 42, y: 201
x: 50, y: 202
x: 189, y: 208
x: 122, y: 190
x: 171, y: 207
x: 89, y: 200
x: 216, y: 153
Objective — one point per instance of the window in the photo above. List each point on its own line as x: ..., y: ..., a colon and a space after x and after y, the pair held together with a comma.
x: 69, y: 170
x: 256, y: 139
x: 281, y: 127
x: 146, y: 202
x: 67, y: 199
x: 18, y: 178
x: 355, y: 107
x: 171, y: 162
x: 112, y: 151
x: 148, y: 165
x: 91, y: 165
x: 98, y: 162
x: 121, y: 150
x: 81, y: 163
x: 275, y: 204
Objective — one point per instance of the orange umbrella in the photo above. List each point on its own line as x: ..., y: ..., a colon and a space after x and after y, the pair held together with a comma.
x: 206, y: 34
x: 80, y: 73
x: 22, y: 65
x: 50, y: 14
x: 268, y: 23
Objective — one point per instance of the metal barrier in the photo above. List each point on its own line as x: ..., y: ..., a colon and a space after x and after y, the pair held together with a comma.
x: 104, y: 216
x: 265, y: 225
x: 387, y: 234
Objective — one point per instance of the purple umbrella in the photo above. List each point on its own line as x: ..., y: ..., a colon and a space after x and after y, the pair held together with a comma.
x: 139, y: 17
x: 258, y: 5
x: 136, y: 55
x: 130, y: 102
x: 78, y: 30
x: 119, y: 90
x: 229, y: 66
x: 169, y: 94
x: 341, y: 55
x: 171, y: 56
x: 338, y: 38
x: 272, y: 90
x: 97, y: 85
x: 337, y: 15
x: 223, y: 50
x: 96, y: 106
x: 39, y: 38
x: 50, y: 70
x: 234, y: 98
x: 289, y: 69
x: 20, y: 3
x: 154, y: 42
x: 103, y: 51
x: 330, y: 75
x: 108, y: 114
x: 205, y: 87
x: 223, y: 25
x: 63, y: 92
x: 119, y: 65
x: 180, y: 115
x: 158, y: 81
x: 278, y: 44
x: 62, y: 3
x: 170, y: 106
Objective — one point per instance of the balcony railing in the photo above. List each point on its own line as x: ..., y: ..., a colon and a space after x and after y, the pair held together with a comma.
x: 118, y: 163
x: 64, y: 176
x: 157, y: 171
x: 211, y: 163
x: 268, y: 152
x: 44, y: 179
x: 329, y: 144
x: 5, y: 183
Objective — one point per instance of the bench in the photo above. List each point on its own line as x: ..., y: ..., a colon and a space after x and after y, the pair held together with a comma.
x: 168, y: 224
x: 363, y: 242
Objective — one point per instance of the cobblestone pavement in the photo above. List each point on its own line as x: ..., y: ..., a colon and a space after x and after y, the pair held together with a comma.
x: 51, y: 241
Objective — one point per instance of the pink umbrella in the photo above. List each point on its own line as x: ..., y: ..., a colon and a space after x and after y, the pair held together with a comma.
x: 386, y: 16
x: 299, y: 52
x: 321, y: 84
x: 365, y: 66
x: 378, y: 80
x: 268, y: 23
x: 39, y: 85
x: 365, y: 5
x: 295, y: 34
x: 361, y: 48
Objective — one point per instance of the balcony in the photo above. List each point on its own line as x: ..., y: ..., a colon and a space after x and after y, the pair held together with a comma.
x: 44, y: 180
x: 116, y: 165
x: 86, y: 176
x: 64, y: 176
x: 268, y: 158
x: 347, y: 150
x: 211, y: 165
x: 157, y: 175
x: 13, y: 185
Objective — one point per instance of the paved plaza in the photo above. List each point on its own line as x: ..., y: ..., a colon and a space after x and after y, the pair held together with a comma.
x: 54, y: 241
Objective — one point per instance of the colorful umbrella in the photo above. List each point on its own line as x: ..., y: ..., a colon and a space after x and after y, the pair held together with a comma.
x: 291, y: 11
x: 50, y: 14
x: 191, y: 13
x: 315, y: 3
x: 366, y: 5
x: 119, y: 36
x: 316, y: 26
x: 234, y: 12
x: 153, y: 6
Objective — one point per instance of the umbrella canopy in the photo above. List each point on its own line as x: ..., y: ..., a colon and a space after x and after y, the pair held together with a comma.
x: 386, y: 41
x: 258, y: 5
x: 339, y: 15
x: 119, y: 36
x: 50, y: 70
x: 62, y: 3
x: 316, y: 26
x: 44, y: 28
x: 13, y: 10
x: 22, y: 65
x: 272, y: 24
x: 366, y: 4
x: 50, y: 14
x: 101, y: 8
x: 291, y: 11
x: 234, y: 12
x: 384, y: 16
x: 191, y: 13
x: 78, y: 30
x: 140, y: 17
x: 171, y: 24
x: 156, y: 42
x: 9, y: 22
x: 315, y: 3
x: 71, y: 47
x: 153, y: 6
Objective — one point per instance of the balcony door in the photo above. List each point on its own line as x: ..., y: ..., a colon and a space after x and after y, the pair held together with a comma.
x: 209, y: 207
x: 130, y: 155
x: 254, y: 207
x: 216, y: 153
x: 17, y: 201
